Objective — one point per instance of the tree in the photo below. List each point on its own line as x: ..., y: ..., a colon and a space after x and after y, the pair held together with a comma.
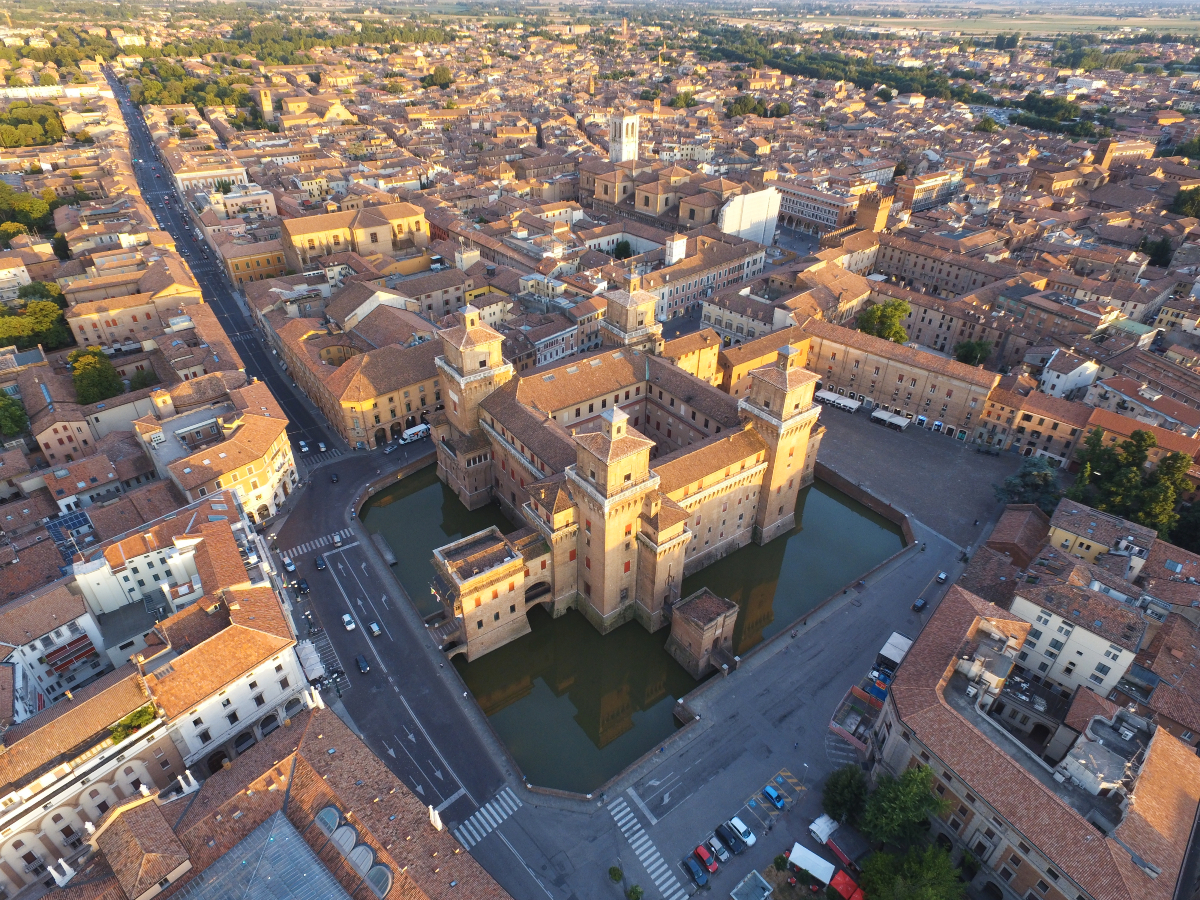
x: 1035, y: 482
x: 83, y: 136
x: 46, y: 79
x: 623, y: 250
x: 1186, y: 533
x: 42, y: 290
x: 439, y: 77
x: 781, y: 110
x: 845, y: 795
x: 921, y: 874
x: 987, y: 125
x: 1160, y: 251
x: 1114, y: 479
x: 899, y: 806
x: 187, y: 131
x: 884, y: 94
x: 142, y: 378
x: 884, y: 320
x: 41, y: 322
x: 1187, y: 202
x: 95, y: 378
x: 973, y: 353
x: 13, y: 420
x: 9, y: 230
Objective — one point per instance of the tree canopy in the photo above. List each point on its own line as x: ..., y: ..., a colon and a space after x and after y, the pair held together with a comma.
x: 845, y: 794
x: 1114, y: 479
x: 973, y: 353
x: 1035, y: 482
x: 30, y: 125
x: 885, y: 320
x: 923, y: 873
x: 439, y: 77
x: 13, y: 420
x: 900, y: 806
x: 94, y: 375
x: 40, y: 322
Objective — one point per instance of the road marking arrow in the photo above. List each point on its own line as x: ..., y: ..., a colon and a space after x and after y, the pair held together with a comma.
x: 438, y: 773
x: 420, y: 790
x: 390, y: 751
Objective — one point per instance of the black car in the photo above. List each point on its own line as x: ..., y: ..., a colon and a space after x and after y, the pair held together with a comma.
x: 730, y: 839
x: 919, y: 605
x: 302, y: 586
x: 363, y: 665
x: 333, y: 478
x: 320, y: 561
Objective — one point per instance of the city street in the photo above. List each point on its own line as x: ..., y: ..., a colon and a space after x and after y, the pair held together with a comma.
x: 304, y: 423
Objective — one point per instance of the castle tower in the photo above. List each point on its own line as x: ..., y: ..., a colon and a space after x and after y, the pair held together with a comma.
x: 629, y: 322
x: 780, y: 405
x: 873, y: 209
x: 623, y: 137
x: 611, y: 478
x: 591, y: 88
x: 473, y: 366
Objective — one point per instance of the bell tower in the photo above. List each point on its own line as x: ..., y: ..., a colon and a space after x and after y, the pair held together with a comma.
x: 779, y: 404
x: 623, y: 137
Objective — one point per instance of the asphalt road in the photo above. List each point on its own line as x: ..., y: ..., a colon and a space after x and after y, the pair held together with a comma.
x: 155, y: 184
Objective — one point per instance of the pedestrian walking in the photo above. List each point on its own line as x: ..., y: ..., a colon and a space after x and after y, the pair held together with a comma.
x: 796, y: 746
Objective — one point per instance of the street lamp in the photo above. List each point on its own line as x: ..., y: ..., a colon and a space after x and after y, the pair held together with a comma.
x: 804, y: 779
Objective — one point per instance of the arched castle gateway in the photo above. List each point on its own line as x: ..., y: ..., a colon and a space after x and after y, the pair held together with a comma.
x: 630, y: 472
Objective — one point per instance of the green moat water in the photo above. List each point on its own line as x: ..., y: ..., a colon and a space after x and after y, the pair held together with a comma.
x: 575, y: 707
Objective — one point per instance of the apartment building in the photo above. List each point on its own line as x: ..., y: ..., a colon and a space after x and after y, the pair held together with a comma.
x: 815, y: 208
x: 1078, y: 530
x: 252, y: 260
x: 1033, y: 424
x: 934, y: 269
x: 927, y: 191
x: 1106, y: 814
x: 393, y: 230
x: 940, y: 394
x: 237, y: 442
x: 710, y: 263
x: 1079, y: 638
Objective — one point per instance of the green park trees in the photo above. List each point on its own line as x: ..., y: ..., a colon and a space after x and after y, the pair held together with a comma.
x: 896, y: 811
x: 40, y: 322
x: 845, y: 795
x: 13, y: 420
x: 95, y: 378
x: 1035, y: 482
x: 885, y: 320
x: 973, y: 353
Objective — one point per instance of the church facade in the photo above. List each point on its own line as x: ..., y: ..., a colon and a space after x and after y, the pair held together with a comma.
x: 628, y: 473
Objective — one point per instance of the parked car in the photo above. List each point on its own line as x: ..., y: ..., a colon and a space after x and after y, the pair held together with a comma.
x: 706, y: 858
x: 302, y: 586
x: 303, y: 445
x: 919, y: 605
x: 698, y: 874
x: 288, y: 565
x: 742, y: 831
x: 730, y: 838
x: 320, y: 561
x: 348, y: 621
x: 363, y: 665
x: 320, y: 446
x: 374, y: 628
x: 773, y: 796
x: 942, y: 576
x: 390, y: 448
x: 718, y: 849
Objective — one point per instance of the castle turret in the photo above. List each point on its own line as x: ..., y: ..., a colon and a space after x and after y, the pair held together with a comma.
x: 613, y: 477
x: 629, y: 321
x: 473, y: 366
x: 780, y: 401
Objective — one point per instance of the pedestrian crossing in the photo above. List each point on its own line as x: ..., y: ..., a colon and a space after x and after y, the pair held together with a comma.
x: 486, y: 818
x: 311, y: 546
x: 660, y: 873
x: 312, y: 460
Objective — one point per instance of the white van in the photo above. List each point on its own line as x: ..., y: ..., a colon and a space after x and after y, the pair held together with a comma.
x: 415, y: 433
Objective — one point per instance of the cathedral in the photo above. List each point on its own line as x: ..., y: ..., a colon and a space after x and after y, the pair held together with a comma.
x: 627, y: 472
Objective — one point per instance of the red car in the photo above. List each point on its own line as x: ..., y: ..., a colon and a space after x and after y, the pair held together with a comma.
x: 706, y: 858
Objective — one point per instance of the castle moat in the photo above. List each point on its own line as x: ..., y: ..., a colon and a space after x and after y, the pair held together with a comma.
x: 575, y: 707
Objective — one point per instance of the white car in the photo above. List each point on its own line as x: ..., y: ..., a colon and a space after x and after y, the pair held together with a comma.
x: 742, y: 831
x: 348, y: 621
x: 320, y: 446
x: 303, y: 447
x: 288, y: 565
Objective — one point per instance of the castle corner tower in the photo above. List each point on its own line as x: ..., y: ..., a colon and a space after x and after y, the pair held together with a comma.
x: 629, y: 322
x: 780, y: 403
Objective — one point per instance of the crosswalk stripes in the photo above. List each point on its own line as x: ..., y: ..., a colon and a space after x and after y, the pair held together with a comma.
x: 329, y: 659
x: 660, y: 873
x: 313, y: 459
x: 317, y: 544
x: 486, y: 818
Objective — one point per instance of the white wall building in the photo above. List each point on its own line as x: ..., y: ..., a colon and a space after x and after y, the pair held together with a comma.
x: 751, y: 216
